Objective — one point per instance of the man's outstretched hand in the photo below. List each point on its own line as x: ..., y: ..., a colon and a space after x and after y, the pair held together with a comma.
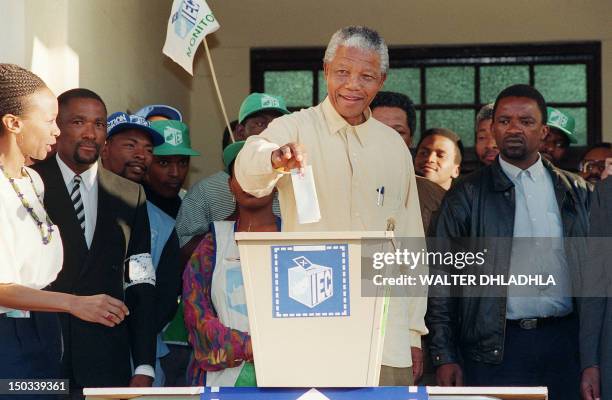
x: 288, y: 157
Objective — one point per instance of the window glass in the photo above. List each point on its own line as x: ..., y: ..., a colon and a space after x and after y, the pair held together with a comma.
x: 494, y: 79
x: 459, y: 121
x: 406, y: 81
x: 322, y: 86
x: 294, y: 86
x: 449, y: 85
x: 561, y: 83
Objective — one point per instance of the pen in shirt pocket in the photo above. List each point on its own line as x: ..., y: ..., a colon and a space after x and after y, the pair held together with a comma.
x: 380, y: 199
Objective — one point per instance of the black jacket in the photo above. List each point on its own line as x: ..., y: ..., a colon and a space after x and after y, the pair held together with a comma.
x: 482, y: 205
x: 596, y: 316
x: 96, y: 355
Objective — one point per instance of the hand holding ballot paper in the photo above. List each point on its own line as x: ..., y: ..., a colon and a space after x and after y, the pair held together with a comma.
x: 288, y: 157
x: 292, y: 158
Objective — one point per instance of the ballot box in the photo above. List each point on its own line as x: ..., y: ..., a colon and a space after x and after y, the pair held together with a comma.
x: 309, y: 324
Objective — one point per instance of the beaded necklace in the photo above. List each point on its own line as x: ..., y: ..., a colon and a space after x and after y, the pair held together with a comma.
x: 45, y: 233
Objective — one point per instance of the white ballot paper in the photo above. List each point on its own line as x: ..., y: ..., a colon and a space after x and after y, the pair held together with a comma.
x: 305, y: 194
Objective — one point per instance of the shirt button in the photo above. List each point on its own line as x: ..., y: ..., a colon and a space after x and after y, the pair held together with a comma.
x: 496, y: 352
x: 356, y: 214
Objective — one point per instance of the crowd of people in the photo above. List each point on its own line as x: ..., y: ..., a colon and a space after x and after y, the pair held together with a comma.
x: 111, y: 274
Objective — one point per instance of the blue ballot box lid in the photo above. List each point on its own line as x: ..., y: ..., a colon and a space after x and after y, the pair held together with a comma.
x: 373, y: 393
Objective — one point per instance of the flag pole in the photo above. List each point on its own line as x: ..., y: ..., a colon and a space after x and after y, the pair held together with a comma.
x: 214, y: 77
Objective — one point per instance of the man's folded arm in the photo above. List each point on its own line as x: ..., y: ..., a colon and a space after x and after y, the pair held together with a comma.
x: 140, y: 289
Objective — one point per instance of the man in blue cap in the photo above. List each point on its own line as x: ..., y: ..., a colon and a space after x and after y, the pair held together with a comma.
x: 129, y: 146
x: 129, y: 152
x: 210, y: 199
x: 159, y: 112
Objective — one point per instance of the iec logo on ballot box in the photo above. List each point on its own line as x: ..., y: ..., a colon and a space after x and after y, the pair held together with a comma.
x: 310, y: 281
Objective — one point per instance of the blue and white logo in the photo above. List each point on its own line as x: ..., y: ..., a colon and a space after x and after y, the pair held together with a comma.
x: 185, y: 19
x: 310, y: 284
x: 310, y: 281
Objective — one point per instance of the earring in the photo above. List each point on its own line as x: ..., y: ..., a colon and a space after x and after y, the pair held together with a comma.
x: 233, y: 198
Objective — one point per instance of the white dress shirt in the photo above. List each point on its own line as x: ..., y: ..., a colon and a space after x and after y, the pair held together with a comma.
x: 89, y: 194
x: 537, y: 220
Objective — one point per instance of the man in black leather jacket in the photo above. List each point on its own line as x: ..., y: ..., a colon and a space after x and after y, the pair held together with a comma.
x: 539, y: 349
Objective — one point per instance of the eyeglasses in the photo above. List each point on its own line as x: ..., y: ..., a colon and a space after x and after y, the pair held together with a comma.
x: 590, y: 165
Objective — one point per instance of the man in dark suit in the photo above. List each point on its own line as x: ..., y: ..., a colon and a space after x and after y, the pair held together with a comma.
x: 105, y: 232
x: 596, y: 313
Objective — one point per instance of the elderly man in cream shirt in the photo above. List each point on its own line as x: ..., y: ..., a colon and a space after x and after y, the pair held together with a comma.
x: 353, y: 156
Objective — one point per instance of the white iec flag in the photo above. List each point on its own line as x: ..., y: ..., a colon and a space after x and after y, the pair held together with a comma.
x: 189, y: 22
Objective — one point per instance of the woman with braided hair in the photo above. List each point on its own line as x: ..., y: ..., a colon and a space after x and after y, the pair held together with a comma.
x: 31, y: 253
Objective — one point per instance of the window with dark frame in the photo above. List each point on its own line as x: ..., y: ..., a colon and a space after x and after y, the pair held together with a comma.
x: 449, y: 84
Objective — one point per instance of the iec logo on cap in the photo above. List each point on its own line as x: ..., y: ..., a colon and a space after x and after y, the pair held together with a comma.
x: 310, y: 281
x: 173, y: 136
x: 557, y: 118
x: 269, y: 101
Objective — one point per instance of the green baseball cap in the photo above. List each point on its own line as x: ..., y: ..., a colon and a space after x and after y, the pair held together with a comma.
x: 230, y: 153
x: 256, y: 102
x: 176, y: 139
x: 563, y: 122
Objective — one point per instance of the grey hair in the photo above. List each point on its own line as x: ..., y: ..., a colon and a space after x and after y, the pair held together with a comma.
x: 485, y: 113
x: 360, y: 37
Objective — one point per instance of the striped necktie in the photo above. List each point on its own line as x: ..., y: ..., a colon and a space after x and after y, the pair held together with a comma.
x: 77, y: 201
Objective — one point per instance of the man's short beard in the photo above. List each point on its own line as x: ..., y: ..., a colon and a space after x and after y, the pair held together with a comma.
x: 515, y: 154
x: 87, y: 161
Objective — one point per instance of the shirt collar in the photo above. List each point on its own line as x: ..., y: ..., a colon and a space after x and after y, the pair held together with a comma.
x: 88, y: 177
x: 335, y: 122
x: 512, y: 171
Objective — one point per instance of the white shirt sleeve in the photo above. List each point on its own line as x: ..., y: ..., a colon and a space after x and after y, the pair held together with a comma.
x: 145, y: 369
